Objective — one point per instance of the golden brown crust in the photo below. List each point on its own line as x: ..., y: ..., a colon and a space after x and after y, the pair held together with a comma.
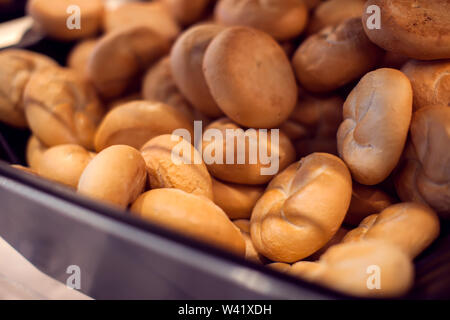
x: 79, y: 56
x: 302, y: 208
x: 116, y: 175
x: 187, y: 12
x: 250, y: 252
x: 136, y: 122
x: 192, y: 215
x: 282, y: 19
x: 34, y: 150
x: 336, y: 239
x: 62, y: 108
x: 419, y: 29
x: 377, y: 115
x: 345, y: 55
x: 250, y: 77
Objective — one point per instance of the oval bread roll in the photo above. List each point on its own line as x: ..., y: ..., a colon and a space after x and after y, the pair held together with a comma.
x: 79, y: 56
x: 250, y: 252
x: 62, y: 108
x: 377, y: 115
x: 250, y: 77
x: 192, y: 215
x: 136, y: 122
x: 116, y: 175
x: 302, y: 208
x: 172, y: 162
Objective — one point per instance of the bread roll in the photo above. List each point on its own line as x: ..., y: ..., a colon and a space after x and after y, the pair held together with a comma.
x: 250, y: 252
x: 34, y: 151
x: 250, y: 77
x: 122, y: 55
x: 64, y: 164
x: 377, y: 114
x: 188, y: 11
x: 192, y: 215
x: 419, y: 29
x: 353, y: 269
x: 62, y: 108
x: 187, y: 58
x: 236, y: 200
x: 282, y: 19
x: 54, y: 17
x: 158, y: 85
x: 116, y: 175
x: 430, y: 81
x: 79, y: 56
x: 410, y: 226
x: 424, y: 174
x: 302, y: 208
x: 16, y: 68
x: 366, y: 201
x: 345, y: 55
x: 245, y: 167
x: 333, y: 12
x: 172, y: 162
x: 136, y: 122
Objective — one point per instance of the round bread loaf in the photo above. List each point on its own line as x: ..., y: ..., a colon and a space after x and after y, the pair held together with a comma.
x: 424, y: 174
x: 191, y: 215
x: 410, y: 226
x: 62, y: 108
x: 16, y: 68
x: 363, y: 269
x: 122, y: 55
x: 250, y: 77
x: 366, y: 201
x: 333, y: 12
x: 430, y: 81
x: 155, y: 15
x: 234, y: 155
x: 377, y: 115
x: 79, y: 56
x: 282, y: 19
x: 187, y: 59
x: 236, y: 200
x: 419, y: 29
x: 58, y: 19
x: 64, y: 164
x: 302, y: 208
x: 172, y: 162
x: 250, y: 252
x: 116, y: 175
x: 187, y: 11
x: 345, y: 55
x: 34, y: 152
x: 136, y: 122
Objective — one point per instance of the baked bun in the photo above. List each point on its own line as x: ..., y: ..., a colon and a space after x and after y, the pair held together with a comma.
x: 302, y: 208
x: 332, y: 12
x: 345, y: 55
x: 16, y: 68
x: 136, y: 122
x: 34, y: 151
x: 116, y: 175
x: 187, y: 12
x: 172, y: 162
x: 430, y: 81
x: 377, y: 114
x: 424, y: 174
x: 64, y: 164
x: 79, y: 56
x: 419, y: 29
x: 62, y: 108
x: 121, y: 56
x: 153, y: 14
x: 353, y: 269
x: 366, y: 201
x: 236, y: 200
x: 53, y: 17
x: 410, y: 226
x: 250, y: 252
x: 282, y: 19
x: 249, y: 167
x: 250, y: 77
x: 192, y: 215
x: 158, y: 85
x: 187, y: 59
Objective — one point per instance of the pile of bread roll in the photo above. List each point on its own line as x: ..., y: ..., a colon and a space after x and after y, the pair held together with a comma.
x: 363, y: 113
